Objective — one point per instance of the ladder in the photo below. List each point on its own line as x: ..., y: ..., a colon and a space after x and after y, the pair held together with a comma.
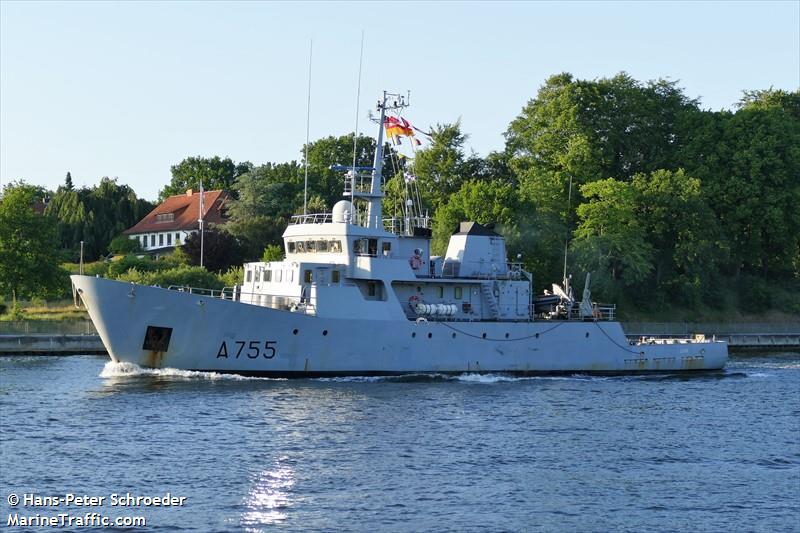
x: 491, y: 301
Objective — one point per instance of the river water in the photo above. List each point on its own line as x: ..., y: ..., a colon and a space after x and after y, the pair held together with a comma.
x: 717, y: 452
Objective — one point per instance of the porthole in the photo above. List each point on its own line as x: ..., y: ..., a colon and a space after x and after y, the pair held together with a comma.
x: 454, y: 335
x: 294, y: 331
x: 324, y: 332
x: 430, y: 335
x: 537, y: 335
x: 506, y: 335
x: 484, y: 335
x: 413, y: 334
x: 587, y: 334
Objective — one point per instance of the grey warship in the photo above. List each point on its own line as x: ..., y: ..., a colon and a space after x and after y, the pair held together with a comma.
x: 360, y: 294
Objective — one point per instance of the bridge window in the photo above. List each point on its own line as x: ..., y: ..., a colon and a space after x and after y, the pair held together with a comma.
x: 249, y: 276
x: 311, y: 246
x: 301, y: 247
x: 335, y: 276
x: 290, y: 246
x: 258, y: 275
x: 440, y: 291
x: 267, y: 275
x: 336, y: 246
x: 307, y: 276
x: 386, y: 247
x: 372, y: 247
x: 457, y: 294
x: 322, y: 246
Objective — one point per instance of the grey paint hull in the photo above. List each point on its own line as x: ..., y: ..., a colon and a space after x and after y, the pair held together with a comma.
x: 211, y: 334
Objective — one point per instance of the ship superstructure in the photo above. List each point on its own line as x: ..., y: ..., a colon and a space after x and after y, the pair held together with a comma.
x: 360, y: 294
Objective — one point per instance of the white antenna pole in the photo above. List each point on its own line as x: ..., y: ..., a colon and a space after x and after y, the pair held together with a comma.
x: 200, y: 220
x: 308, y: 125
x: 566, y: 238
x: 358, y: 103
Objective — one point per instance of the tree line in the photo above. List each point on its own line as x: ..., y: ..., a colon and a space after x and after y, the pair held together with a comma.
x: 664, y: 202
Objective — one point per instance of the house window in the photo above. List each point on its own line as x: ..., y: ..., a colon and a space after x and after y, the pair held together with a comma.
x: 144, y: 241
x: 152, y: 240
x: 161, y: 239
x: 335, y: 276
x: 177, y: 239
x: 169, y: 239
x: 165, y: 217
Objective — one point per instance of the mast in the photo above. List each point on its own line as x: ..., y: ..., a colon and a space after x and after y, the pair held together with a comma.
x: 374, y: 210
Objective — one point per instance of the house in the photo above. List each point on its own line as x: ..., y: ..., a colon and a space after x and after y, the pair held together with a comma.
x: 169, y: 224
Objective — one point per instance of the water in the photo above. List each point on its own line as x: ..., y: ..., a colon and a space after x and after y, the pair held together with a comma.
x: 717, y: 452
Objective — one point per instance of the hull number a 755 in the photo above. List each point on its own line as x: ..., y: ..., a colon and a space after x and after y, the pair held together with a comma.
x: 249, y: 349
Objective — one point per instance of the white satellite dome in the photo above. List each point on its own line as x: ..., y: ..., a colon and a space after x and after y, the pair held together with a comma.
x: 342, y: 211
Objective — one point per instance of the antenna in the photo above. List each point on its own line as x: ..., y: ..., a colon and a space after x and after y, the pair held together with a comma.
x: 200, y: 220
x: 308, y: 125
x: 358, y: 102
x: 566, y: 237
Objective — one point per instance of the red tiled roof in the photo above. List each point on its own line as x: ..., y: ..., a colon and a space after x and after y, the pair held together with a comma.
x: 185, y: 209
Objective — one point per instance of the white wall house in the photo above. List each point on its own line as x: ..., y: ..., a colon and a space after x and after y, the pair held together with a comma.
x: 169, y: 224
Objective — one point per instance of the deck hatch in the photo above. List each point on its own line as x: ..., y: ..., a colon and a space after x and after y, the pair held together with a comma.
x: 157, y: 338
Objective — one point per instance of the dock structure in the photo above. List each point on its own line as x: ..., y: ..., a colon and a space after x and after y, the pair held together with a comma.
x: 739, y: 336
x: 51, y: 345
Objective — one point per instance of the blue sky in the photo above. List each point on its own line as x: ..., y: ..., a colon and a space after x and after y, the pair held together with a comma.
x: 128, y: 89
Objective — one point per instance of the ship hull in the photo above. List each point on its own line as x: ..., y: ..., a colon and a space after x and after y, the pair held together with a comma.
x: 158, y: 328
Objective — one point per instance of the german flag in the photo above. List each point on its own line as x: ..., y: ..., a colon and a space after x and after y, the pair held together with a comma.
x: 397, y: 127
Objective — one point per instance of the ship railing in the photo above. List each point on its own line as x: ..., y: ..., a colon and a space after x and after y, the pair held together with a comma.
x: 226, y: 293
x: 600, y: 311
x: 362, y: 182
x: 291, y: 302
x: 311, y: 218
x: 406, y: 225
x: 485, y: 270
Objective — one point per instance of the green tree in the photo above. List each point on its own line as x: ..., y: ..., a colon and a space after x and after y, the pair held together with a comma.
x: 122, y: 244
x: 610, y: 241
x: 214, y: 172
x: 68, y: 182
x: 29, y: 259
x: 221, y: 250
x: 682, y: 231
x: 443, y: 167
x: 479, y: 201
x: 95, y: 216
